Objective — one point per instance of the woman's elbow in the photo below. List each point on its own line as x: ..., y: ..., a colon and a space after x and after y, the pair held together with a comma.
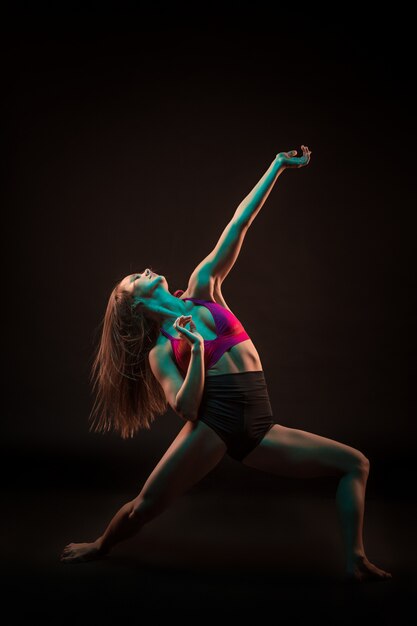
x: 187, y: 415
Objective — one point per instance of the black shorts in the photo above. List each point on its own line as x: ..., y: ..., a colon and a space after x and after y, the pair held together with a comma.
x: 237, y: 407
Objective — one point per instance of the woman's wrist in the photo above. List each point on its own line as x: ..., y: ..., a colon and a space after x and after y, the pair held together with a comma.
x: 197, y: 348
x: 279, y: 162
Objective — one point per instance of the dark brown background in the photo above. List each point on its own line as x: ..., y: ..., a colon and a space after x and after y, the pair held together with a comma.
x: 132, y: 148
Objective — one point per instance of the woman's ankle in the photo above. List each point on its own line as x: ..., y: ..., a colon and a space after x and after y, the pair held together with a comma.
x: 102, y: 548
x: 355, y: 559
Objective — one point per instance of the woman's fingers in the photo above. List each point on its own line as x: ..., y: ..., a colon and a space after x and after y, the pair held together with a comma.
x: 182, y: 320
x: 290, y: 158
x: 306, y: 155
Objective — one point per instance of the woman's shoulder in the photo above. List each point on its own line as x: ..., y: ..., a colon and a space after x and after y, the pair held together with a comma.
x: 203, y: 293
x: 161, y: 350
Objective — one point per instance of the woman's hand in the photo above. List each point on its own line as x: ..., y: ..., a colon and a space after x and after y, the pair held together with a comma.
x: 191, y: 336
x: 290, y: 159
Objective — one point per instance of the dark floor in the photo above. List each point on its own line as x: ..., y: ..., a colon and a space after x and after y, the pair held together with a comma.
x: 215, y: 552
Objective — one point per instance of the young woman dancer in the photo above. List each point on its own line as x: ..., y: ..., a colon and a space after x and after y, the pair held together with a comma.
x: 212, y: 377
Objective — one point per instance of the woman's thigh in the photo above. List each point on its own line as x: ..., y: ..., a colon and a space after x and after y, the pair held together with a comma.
x: 195, y: 451
x: 297, y: 453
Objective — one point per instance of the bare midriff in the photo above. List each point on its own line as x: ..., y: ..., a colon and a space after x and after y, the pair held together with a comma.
x: 239, y: 358
x: 242, y: 357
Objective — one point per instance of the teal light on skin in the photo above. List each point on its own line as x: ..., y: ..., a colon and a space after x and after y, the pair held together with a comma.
x: 147, y: 281
x: 151, y: 292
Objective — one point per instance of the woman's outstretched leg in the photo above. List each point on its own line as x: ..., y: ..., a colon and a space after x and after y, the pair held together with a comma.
x: 195, y: 451
x: 296, y: 453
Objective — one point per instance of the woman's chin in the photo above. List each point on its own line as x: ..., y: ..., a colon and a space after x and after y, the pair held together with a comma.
x: 161, y: 282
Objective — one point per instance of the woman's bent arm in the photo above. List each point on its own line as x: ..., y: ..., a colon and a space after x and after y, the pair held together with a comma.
x: 189, y: 396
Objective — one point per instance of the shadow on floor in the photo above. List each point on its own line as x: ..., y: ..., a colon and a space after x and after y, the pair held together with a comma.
x: 210, y: 554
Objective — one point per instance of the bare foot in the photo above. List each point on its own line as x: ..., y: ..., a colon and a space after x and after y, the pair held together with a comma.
x: 81, y: 552
x: 363, y: 570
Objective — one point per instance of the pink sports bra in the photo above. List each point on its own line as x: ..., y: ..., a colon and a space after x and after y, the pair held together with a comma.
x: 229, y: 332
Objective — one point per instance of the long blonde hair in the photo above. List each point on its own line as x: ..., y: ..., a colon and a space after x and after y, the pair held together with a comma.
x: 128, y: 396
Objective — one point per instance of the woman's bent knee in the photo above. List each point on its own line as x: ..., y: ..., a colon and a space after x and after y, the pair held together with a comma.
x: 366, y: 464
x: 362, y: 463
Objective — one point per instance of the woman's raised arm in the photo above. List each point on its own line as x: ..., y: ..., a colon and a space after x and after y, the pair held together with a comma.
x: 216, y: 265
x: 251, y: 205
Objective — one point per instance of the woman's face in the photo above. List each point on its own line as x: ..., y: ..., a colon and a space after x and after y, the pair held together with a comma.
x: 142, y: 284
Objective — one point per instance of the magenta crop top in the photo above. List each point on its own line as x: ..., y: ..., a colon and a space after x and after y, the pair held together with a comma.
x: 229, y: 332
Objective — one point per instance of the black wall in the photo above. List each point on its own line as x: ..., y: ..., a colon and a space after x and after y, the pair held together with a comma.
x: 133, y: 147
